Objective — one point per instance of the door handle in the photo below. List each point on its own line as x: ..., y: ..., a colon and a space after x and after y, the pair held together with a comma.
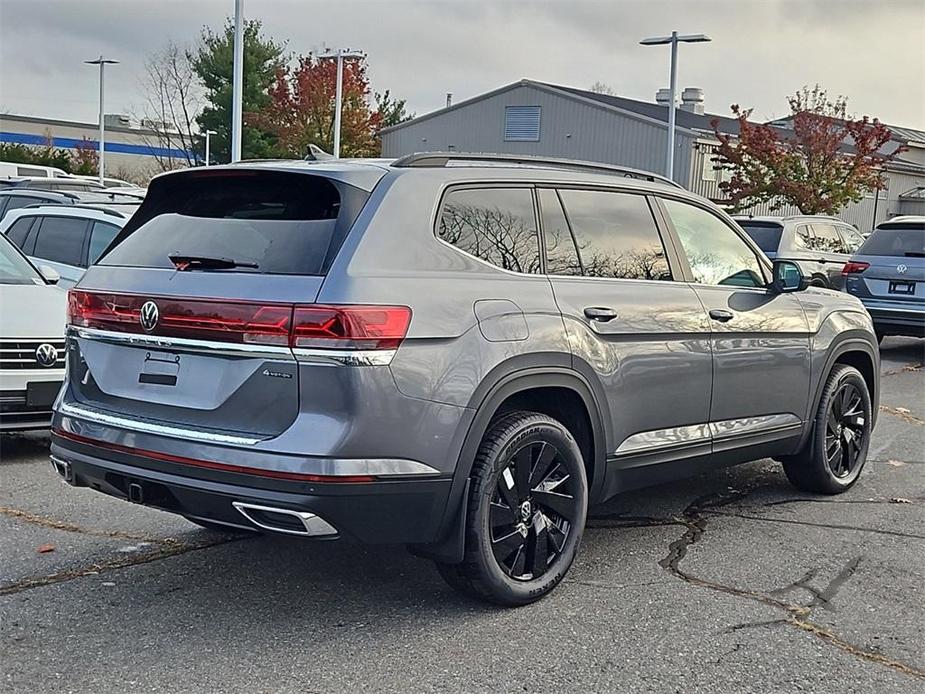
x: 721, y: 314
x: 600, y: 314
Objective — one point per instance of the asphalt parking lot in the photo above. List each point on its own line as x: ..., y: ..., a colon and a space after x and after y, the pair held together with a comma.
x: 729, y: 582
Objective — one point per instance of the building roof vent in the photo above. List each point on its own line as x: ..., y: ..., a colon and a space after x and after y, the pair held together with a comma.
x: 692, y: 100
x: 663, y: 97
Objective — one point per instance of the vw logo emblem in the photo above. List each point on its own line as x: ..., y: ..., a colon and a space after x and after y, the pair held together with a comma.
x: 46, y: 354
x: 148, y: 316
x: 901, y: 269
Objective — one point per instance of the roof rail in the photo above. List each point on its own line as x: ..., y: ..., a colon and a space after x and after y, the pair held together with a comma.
x: 65, y: 208
x: 440, y: 159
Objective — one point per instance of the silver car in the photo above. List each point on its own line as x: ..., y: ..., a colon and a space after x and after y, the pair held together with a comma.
x: 454, y: 352
x: 888, y: 275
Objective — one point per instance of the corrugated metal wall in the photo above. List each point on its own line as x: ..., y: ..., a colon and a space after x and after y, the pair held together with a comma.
x: 568, y: 128
x: 860, y: 214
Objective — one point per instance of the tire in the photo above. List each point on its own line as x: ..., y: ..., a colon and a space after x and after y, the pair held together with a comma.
x: 525, y: 514
x: 833, y: 457
x: 818, y: 282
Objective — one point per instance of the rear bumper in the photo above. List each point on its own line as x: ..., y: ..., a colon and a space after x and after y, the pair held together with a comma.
x: 897, y: 318
x: 383, y: 511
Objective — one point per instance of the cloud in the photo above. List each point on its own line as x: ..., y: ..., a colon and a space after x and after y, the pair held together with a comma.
x: 761, y: 51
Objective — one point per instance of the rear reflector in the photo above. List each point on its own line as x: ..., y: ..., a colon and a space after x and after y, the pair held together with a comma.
x: 330, y: 327
x: 212, y: 465
x: 854, y: 268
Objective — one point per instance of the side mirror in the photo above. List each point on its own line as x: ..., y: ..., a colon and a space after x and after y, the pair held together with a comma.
x: 787, y: 277
x: 50, y: 274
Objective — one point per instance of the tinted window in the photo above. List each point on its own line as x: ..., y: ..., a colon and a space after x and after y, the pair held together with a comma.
x: 561, y: 255
x: 767, y: 236
x: 100, y: 237
x: 61, y: 239
x: 497, y: 225
x: 827, y: 239
x: 896, y: 242
x: 715, y: 252
x: 16, y: 201
x: 19, y: 230
x: 285, y: 223
x: 14, y: 269
x: 852, y: 238
x: 616, y: 235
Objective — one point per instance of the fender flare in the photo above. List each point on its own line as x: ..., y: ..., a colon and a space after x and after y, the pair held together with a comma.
x: 505, y: 380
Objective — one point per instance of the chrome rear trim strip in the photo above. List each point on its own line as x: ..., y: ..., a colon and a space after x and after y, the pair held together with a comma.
x: 181, y: 344
x: 91, y: 414
x: 345, y: 357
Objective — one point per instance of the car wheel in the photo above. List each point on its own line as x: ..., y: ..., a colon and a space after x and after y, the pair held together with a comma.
x: 526, y: 511
x: 832, y: 459
x: 818, y: 282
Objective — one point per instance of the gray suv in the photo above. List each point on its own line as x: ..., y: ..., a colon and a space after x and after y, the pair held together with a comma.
x: 819, y: 245
x: 458, y: 353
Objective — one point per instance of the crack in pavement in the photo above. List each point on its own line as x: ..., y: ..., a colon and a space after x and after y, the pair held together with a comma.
x: 693, y: 518
x: 833, y: 526
x: 902, y: 414
x: 55, y: 524
x: 781, y: 502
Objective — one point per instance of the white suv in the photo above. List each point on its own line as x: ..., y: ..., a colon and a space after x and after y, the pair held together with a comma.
x: 32, y: 316
x: 69, y: 238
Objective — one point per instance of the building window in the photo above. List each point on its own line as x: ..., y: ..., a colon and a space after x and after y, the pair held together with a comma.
x: 522, y: 124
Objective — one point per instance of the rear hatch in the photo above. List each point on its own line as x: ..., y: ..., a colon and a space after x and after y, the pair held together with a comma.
x: 890, y: 265
x: 187, y: 318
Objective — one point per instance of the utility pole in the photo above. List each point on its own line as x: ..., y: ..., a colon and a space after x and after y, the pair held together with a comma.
x: 102, y: 62
x: 673, y: 40
x: 339, y: 54
x: 237, y: 82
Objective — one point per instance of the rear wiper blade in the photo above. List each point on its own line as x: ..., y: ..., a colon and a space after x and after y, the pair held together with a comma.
x: 195, y: 262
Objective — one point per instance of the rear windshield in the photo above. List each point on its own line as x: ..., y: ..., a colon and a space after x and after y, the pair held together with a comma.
x: 765, y: 234
x: 283, y: 223
x: 895, y: 242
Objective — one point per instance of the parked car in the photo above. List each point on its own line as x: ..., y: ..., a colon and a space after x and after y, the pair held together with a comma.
x: 60, y: 184
x: 13, y: 199
x: 9, y: 169
x: 67, y: 238
x: 458, y: 353
x: 108, y: 182
x: 31, y: 341
x: 819, y: 245
x: 888, y: 275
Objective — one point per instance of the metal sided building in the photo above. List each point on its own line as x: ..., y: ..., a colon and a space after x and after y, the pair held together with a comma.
x: 530, y: 117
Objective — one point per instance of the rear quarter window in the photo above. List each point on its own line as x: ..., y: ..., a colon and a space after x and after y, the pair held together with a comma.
x: 285, y: 223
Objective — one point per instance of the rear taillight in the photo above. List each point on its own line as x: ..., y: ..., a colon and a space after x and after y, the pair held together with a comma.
x: 316, y: 326
x: 854, y: 268
x: 350, y: 327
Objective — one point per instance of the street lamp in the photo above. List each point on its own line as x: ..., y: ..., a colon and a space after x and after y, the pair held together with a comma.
x: 674, y: 40
x: 102, y: 62
x: 340, y: 54
x: 237, y: 81
x: 208, y: 133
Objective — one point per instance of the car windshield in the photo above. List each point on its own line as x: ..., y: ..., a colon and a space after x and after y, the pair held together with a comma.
x: 14, y: 268
x: 765, y: 234
x: 902, y: 242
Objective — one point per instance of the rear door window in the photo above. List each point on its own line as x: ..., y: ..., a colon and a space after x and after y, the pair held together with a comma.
x: 497, y: 225
x: 616, y: 234
x: 61, y: 240
x: 285, y: 223
x: 101, y: 236
x: 827, y: 239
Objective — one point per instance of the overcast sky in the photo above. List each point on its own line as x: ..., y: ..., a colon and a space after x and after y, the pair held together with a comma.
x: 873, y: 51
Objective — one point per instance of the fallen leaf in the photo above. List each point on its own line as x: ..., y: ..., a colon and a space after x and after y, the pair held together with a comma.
x: 895, y: 463
x: 904, y: 410
x: 899, y: 500
x: 44, y: 549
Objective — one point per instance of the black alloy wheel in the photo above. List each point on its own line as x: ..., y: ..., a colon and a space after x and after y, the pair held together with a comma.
x: 845, y: 431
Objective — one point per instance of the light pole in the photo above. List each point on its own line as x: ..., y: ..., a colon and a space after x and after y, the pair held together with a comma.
x: 208, y: 133
x: 340, y: 54
x: 674, y: 40
x: 237, y: 81
x: 102, y: 62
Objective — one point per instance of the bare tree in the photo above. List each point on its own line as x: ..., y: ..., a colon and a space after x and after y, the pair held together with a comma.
x: 173, y: 99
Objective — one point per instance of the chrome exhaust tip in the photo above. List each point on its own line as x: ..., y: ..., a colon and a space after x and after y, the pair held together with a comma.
x: 284, y: 520
x: 63, y: 468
